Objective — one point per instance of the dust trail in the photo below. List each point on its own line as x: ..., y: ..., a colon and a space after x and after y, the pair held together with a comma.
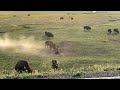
x: 24, y: 44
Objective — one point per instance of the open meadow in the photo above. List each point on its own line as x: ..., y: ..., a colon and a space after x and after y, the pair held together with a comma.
x: 22, y: 36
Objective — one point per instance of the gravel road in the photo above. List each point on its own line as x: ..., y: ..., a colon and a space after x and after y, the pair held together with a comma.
x: 98, y: 75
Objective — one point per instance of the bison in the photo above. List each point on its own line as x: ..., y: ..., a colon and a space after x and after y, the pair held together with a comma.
x: 116, y: 31
x: 109, y: 31
x: 49, y: 34
x: 54, y: 64
x: 61, y: 18
x: 49, y: 44
x: 87, y: 28
x: 56, y: 49
x: 22, y: 65
x: 28, y: 15
x: 71, y: 18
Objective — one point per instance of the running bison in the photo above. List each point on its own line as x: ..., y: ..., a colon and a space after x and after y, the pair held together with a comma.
x: 87, y: 28
x: 49, y: 34
x: 54, y: 64
x: 22, y: 65
x: 116, y: 31
x: 109, y: 31
x: 49, y: 44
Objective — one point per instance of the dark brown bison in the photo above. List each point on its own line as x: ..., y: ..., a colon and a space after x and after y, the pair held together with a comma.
x: 54, y: 64
x: 22, y: 65
x: 49, y: 34
x: 49, y: 44
x: 109, y: 31
x: 88, y: 28
x: 116, y: 31
x: 61, y: 18
x: 71, y: 18
x: 28, y: 14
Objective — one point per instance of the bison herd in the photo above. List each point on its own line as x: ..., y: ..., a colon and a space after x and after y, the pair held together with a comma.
x: 50, y: 44
x: 61, y: 18
x: 23, y: 66
x: 115, y: 31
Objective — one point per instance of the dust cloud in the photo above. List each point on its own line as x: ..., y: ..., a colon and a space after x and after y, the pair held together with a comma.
x: 24, y: 44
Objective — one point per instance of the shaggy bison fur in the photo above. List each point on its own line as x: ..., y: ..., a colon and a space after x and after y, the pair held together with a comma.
x: 22, y: 65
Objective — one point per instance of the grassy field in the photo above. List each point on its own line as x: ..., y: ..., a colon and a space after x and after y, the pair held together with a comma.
x: 22, y: 37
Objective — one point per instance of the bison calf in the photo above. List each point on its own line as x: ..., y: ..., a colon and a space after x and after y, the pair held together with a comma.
x: 54, y: 64
x: 22, y: 65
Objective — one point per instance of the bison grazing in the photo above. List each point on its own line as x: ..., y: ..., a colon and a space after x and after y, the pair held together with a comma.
x: 87, y: 28
x: 71, y: 18
x: 28, y: 14
x: 14, y: 15
x: 49, y: 34
x: 22, y: 65
x: 109, y: 31
x: 116, y: 31
x: 54, y: 64
x: 61, y: 18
